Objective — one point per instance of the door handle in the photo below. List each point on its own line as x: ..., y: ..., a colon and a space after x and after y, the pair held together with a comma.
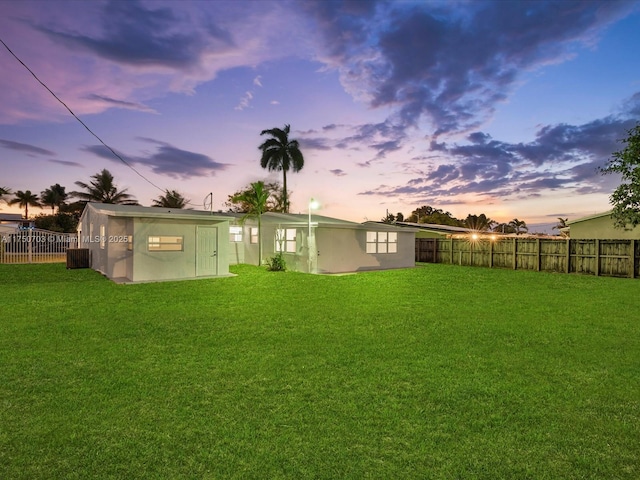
x: 214, y: 254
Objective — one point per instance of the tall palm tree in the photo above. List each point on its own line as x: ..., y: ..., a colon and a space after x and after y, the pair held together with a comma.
x: 280, y: 153
x: 24, y: 200
x: 519, y: 226
x: 255, y: 200
x: 102, y: 190
x: 171, y: 199
x: 54, y: 196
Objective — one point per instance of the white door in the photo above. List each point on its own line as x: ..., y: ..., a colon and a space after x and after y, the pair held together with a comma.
x: 206, y: 251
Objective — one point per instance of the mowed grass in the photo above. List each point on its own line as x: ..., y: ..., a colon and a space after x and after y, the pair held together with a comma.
x: 434, y: 372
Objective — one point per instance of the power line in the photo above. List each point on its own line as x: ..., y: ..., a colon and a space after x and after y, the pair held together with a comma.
x: 78, y: 119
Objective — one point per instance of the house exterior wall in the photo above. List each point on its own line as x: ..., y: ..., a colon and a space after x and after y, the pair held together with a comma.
x: 338, y: 249
x: 119, y: 257
x: 173, y: 265
x: 119, y: 245
x: 237, y: 249
x: 343, y: 250
x: 600, y: 228
x: 90, y: 238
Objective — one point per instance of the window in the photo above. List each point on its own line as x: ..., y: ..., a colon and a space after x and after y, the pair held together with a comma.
x: 382, y: 242
x: 167, y: 243
x: 103, y: 237
x: 286, y: 240
x: 235, y: 234
x: 254, y: 234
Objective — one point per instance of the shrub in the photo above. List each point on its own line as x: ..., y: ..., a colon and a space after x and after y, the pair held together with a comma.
x: 277, y: 263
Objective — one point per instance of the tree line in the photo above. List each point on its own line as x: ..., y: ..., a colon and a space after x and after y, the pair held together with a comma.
x: 481, y: 223
x: 279, y: 153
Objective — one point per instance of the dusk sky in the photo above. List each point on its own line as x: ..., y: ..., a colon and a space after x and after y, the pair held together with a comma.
x: 505, y: 108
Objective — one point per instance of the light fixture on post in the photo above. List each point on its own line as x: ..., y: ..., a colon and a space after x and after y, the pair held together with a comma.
x: 311, y: 239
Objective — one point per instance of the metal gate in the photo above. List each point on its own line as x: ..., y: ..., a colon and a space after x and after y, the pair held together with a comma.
x: 33, y: 245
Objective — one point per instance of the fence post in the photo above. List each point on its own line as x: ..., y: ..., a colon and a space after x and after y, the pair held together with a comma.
x: 515, y: 253
x: 568, y: 269
x: 451, y: 250
x: 29, y: 249
x: 632, y: 258
x: 597, y: 268
x: 490, y: 253
x: 539, y: 255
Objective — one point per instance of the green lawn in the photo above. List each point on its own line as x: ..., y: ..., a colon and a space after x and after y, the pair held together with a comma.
x: 434, y: 372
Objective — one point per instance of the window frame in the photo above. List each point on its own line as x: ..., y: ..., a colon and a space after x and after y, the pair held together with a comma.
x: 381, y: 242
x: 235, y: 234
x: 290, y: 240
x: 165, y: 243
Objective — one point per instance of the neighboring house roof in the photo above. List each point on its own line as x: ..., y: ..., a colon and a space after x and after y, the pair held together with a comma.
x: 302, y: 219
x: 436, y: 227
x: 11, y: 217
x: 157, y: 212
x: 590, y: 217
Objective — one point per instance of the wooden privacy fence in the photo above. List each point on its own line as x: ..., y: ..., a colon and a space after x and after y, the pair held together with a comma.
x: 35, y: 246
x: 614, y: 258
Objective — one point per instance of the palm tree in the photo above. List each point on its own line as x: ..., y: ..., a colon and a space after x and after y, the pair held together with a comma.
x: 280, y: 153
x: 53, y: 197
x: 102, y: 190
x: 255, y: 200
x: 24, y: 199
x: 562, y: 223
x: 171, y: 199
x: 480, y: 223
x: 4, y: 191
x: 519, y: 226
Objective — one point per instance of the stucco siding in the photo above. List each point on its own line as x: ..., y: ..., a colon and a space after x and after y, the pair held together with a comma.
x: 118, y: 255
x: 600, y: 228
x: 344, y: 250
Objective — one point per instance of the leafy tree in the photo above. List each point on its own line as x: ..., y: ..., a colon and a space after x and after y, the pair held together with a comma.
x: 281, y: 153
x: 4, y: 191
x: 59, y: 222
x: 427, y: 214
x: 274, y: 200
x: 519, y: 226
x: 53, y: 197
x: 626, y: 198
x: 504, y: 228
x: 255, y: 200
x: 103, y: 190
x: 399, y: 217
x: 25, y: 200
x: 481, y: 222
x: 74, y: 209
x: 171, y: 199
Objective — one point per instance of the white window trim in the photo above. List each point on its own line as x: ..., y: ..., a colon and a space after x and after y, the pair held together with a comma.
x: 381, y: 242
x: 235, y: 234
x: 287, y: 238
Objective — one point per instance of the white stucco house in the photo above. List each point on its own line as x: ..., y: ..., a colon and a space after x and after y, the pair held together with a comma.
x: 319, y: 244
x: 141, y: 244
